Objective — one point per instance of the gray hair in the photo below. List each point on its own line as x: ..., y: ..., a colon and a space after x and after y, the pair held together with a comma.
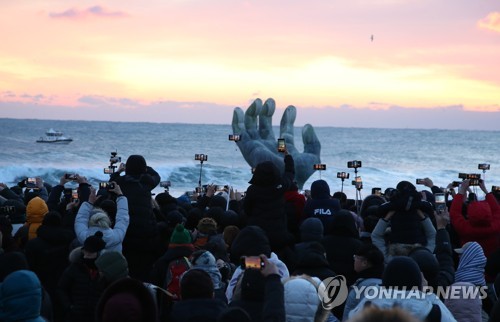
x: 99, y: 218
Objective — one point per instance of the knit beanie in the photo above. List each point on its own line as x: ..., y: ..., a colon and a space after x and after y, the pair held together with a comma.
x: 311, y: 229
x: 95, y: 243
x: 35, y: 211
x: 196, y: 283
x: 266, y: 174
x: 207, y: 225
x: 136, y: 165
x: 402, y: 272
x: 427, y: 263
x: 180, y: 236
x: 113, y: 265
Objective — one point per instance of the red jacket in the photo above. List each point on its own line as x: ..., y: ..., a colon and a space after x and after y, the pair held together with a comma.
x: 482, y: 225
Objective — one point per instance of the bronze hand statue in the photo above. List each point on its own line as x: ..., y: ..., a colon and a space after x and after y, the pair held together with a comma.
x: 257, y: 142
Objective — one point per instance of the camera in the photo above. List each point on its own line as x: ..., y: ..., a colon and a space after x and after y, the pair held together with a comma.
x: 319, y: 166
x: 234, y: 137
x: 281, y: 145
x: 70, y: 176
x: 114, y: 158
x: 354, y: 164
x: 252, y: 262
x: 106, y: 185
x: 483, y: 166
x: 201, y: 157
x: 343, y: 175
x: 440, y: 202
x: 420, y: 181
x: 377, y: 191
x: 30, y: 183
x: 165, y: 184
x: 357, y: 182
x: 7, y: 210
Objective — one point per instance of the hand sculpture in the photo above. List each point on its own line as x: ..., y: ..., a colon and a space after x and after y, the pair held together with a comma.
x: 258, y: 144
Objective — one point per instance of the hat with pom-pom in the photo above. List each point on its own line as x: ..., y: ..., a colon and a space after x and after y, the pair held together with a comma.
x: 95, y: 243
x: 180, y: 236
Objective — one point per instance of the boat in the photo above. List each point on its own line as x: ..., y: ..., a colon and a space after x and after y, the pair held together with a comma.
x: 53, y: 136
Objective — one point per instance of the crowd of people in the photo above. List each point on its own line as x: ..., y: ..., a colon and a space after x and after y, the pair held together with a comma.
x: 121, y: 253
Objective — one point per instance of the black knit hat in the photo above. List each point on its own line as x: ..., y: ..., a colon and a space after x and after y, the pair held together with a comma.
x: 250, y: 241
x: 265, y: 174
x: 95, y: 243
x: 402, y: 271
x: 136, y: 164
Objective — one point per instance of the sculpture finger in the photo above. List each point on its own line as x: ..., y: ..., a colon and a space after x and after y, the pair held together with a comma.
x: 286, y: 125
x: 238, y: 122
x: 311, y: 142
x: 251, y: 117
x: 265, y: 120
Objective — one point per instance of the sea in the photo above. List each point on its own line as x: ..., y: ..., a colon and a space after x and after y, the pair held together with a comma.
x: 388, y: 155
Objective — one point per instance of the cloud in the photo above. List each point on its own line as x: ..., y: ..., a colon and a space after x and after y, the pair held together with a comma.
x: 95, y: 11
x: 490, y: 22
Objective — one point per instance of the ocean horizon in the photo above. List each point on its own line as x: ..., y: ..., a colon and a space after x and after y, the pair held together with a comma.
x: 389, y: 155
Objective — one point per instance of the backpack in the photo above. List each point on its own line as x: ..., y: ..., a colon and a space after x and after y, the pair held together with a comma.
x: 175, y: 269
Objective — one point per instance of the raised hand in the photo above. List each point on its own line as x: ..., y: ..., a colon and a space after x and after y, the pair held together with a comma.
x: 257, y: 141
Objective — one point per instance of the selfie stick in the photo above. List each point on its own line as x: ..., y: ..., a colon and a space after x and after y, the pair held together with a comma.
x: 358, y: 193
x: 201, y: 168
x: 342, y: 186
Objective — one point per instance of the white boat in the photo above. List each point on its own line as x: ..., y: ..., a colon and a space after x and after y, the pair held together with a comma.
x: 53, y: 136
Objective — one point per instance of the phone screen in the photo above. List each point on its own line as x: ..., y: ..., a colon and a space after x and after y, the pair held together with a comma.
x: 74, y: 194
x: 254, y: 262
x: 281, y: 145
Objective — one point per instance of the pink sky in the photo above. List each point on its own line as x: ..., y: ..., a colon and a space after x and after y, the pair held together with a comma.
x: 195, y: 60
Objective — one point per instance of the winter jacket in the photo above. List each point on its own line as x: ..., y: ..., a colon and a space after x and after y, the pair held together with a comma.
x: 416, y: 303
x: 112, y: 236
x: 321, y: 205
x: 21, y: 297
x: 48, y: 253
x: 79, y: 289
x: 482, y: 224
x: 353, y: 299
x: 301, y: 299
x: 264, y: 203
x: 465, y: 309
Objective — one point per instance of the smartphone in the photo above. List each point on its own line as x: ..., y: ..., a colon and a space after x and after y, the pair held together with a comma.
x: 234, y: 137
x: 483, y: 166
x: 377, y: 191
x: 319, y: 167
x: 106, y: 185
x: 252, y: 262
x: 281, y: 145
x: 456, y: 183
x: 70, y: 176
x: 440, y: 202
x: 74, y: 195
x: 31, y: 183
x: 109, y: 170
x: 420, y: 181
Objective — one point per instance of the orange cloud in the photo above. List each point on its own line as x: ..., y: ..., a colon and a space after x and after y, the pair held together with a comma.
x: 490, y: 22
x: 95, y: 11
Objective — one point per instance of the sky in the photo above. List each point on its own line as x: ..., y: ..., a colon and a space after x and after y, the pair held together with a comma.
x: 366, y: 63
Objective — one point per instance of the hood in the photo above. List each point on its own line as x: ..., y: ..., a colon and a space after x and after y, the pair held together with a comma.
x: 479, y: 213
x: 301, y: 298
x: 418, y: 305
x: 20, y: 296
x: 136, y: 165
x: 36, y: 210
x: 320, y: 190
x: 311, y: 229
x: 343, y: 224
x: 266, y: 174
x: 471, y: 265
x: 251, y: 241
